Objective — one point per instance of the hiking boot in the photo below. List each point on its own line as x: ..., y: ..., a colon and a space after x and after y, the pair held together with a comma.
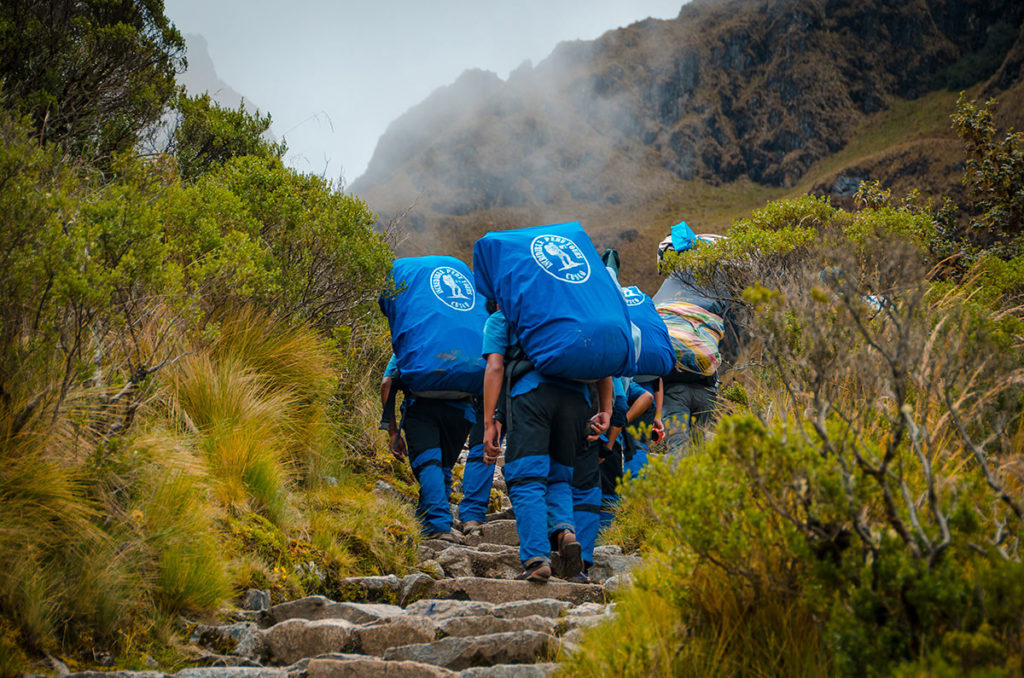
x: 568, y: 560
x: 538, y: 572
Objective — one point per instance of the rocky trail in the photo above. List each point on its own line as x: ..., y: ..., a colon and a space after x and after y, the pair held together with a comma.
x: 461, y: 614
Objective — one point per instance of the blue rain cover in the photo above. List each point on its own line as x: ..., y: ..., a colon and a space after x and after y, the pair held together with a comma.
x: 657, y: 358
x: 437, y: 324
x: 568, y: 313
x: 683, y: 237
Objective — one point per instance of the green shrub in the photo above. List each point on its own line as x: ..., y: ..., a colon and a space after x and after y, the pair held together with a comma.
x: 860, y: 510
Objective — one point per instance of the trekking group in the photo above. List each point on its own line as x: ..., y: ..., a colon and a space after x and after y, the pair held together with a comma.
x: 540, y: 354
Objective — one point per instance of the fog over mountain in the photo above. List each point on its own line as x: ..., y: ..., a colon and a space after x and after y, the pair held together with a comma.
x: 755, y: 91
x: 201, y: 76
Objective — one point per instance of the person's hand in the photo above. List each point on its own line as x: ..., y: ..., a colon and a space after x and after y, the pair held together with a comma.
x: 398, y: 447
x: 492, y: 441
x: 599, y: 423
x: 658, y: 426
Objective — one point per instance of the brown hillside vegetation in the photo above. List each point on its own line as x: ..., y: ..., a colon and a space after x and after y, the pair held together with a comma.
x: 701, y: 118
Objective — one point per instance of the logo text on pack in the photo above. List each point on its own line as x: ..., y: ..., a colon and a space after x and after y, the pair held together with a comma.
x: 453, y: 288
x: 561, y: 258
x: 633, y: 296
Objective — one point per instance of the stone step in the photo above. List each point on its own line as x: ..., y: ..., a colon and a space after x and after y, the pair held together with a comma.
x: 295, y: 639
x: 372, y: 667
x: 464, y: 561
x: 504, y: 591
x: 447, y: 608
x: 520, y: 647
x: 495, y: 532
x: 489, y: 624
x: 510, y: 671
x: 504, y: 514
x: 320, y: 607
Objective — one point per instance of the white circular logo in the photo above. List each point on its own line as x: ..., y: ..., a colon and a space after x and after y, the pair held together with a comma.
x: 633, y: 296
x: 453, y: 288
x: 561, y: 258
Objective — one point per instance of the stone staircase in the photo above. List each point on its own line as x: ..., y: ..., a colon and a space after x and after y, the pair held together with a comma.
x: 462, y: 614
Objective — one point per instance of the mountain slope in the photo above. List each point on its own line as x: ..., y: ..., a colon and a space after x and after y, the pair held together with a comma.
x: 751, y: 97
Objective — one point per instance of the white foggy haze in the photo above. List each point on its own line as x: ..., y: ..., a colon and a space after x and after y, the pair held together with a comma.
x: 334, y: 74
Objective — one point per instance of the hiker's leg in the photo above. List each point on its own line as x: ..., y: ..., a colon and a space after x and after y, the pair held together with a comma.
x: 568, y: 440
x: 586, y: 498
x: 455, y: 428
x: 676, y: 415
x: 423, y: 436
x: 527, y: 468
x: 704, y: 403
x: 611, y: 472
x: 477, y: 478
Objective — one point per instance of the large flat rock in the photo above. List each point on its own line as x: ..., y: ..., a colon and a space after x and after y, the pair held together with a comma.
x: 372, y: 667
x: 510, y: 671
x: 488, y: 624
x: 462, y: 561
x: 446, y: 608
x: 505, y: 591
x: 495, y: 532
x: 295, y: 639
x: 375, y: 639
x: 319, y: 607
x: 231, y: 672
x: 545, y: 607
x: 520, y: 647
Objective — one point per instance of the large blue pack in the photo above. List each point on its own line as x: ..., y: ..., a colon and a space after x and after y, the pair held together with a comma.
x: 567, y: 312
x: 657, y: 357
x: 437, y: 322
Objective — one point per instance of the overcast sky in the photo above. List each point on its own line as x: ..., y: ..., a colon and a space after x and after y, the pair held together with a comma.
x: 334, y: 74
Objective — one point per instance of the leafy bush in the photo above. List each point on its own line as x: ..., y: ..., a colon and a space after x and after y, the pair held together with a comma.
x: 180, y: 362
x: 862, y: 507
x: 92, y: 75
x: 207, y: 135
x: 994, y: 175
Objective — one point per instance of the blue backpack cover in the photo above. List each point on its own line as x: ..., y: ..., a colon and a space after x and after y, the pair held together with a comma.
x: 437, y: 325
x: 657, y: 357
x: 566, y: 311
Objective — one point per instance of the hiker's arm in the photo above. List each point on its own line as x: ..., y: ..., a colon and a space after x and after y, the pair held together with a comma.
x: 638, y: 407
x: 388, y: 389
x: 659, y: 401
x: 494, y: 374
x: 599, y: 422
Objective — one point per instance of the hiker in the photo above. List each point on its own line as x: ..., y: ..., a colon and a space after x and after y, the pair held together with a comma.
x: 435, y: 430
x: 696, y: 318
x: 547, y: 422
x: 555, y: 325
x: 436, y: 328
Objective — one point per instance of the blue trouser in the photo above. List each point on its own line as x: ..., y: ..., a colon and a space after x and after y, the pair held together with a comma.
x: 434, y: 433
x: 546, y: 426
x: 477, y: 479
x: 586, y: 498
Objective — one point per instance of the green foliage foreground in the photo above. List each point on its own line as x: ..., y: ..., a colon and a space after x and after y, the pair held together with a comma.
x: 185, y: 396
x: 858, y: 508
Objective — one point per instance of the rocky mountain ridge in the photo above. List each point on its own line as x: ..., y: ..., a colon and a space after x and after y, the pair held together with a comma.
x: 729, y: 91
